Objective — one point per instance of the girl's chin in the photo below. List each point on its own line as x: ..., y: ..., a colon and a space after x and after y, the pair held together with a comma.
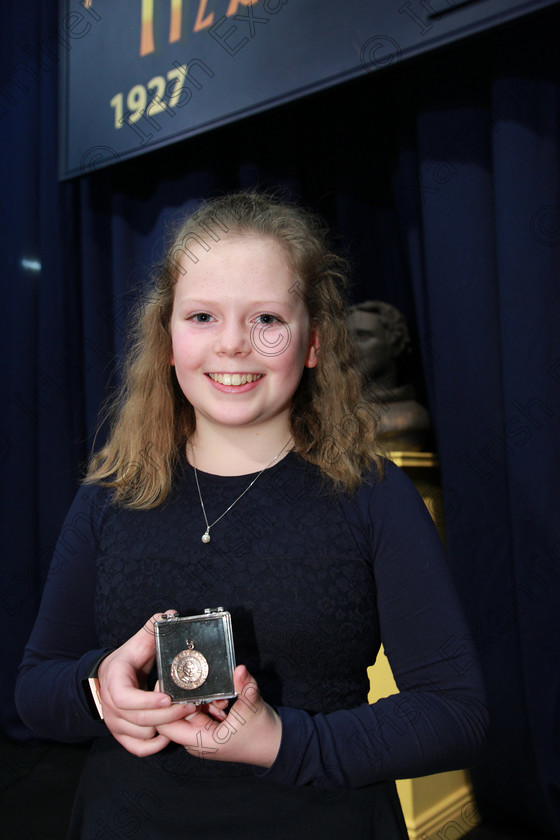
x: 236, y: 420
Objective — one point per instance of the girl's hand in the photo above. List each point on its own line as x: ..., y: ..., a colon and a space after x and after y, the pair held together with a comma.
x: 250, y: 733
x: 132, y: 714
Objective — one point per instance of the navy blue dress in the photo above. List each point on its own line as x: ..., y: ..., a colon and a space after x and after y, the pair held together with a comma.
x: 315, y: 581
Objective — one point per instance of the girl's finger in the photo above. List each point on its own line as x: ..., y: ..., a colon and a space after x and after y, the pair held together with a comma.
x: 215, y: 711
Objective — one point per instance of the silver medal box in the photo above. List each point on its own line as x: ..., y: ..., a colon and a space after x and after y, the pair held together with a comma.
x: 195, y: 656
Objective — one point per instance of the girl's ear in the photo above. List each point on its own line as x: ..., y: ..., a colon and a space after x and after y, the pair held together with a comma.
x: 312, y: 349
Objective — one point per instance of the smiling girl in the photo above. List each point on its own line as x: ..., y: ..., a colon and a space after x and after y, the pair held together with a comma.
x: 241, y: 470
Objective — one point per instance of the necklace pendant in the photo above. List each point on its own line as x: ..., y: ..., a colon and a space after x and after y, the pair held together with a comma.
x: 206, y: 535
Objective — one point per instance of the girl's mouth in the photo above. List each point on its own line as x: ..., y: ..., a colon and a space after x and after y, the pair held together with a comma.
x: 234, y: 378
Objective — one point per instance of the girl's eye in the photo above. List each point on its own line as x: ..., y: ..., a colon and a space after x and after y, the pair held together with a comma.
x: 201, y: 318
x: 266, y: 318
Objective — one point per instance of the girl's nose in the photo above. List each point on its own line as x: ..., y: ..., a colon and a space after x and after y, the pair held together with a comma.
x: 234, y: 339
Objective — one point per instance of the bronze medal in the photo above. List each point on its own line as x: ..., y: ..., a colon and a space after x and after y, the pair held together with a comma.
x: 189, y: 669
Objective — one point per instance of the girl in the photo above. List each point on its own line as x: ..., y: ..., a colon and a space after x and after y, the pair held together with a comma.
x: 241, y: 471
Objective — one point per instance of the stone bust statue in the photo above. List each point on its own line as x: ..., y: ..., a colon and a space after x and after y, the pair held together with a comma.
x: 383, y: 340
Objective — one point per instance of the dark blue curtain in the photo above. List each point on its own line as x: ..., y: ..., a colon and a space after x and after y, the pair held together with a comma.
x: 440, y: 179
x: 483, y: 242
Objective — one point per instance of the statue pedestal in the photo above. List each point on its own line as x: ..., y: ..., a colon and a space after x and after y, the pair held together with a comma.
x: 438, y: 807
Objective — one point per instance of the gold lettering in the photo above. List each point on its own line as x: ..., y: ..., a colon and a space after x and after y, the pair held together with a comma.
x: 147, y: 31
x: 204, y: 19
x: 175, y: 23
x: 234, y: 5
x: 203, y: 22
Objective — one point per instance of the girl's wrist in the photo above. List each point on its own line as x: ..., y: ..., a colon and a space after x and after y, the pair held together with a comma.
x: 91, y: 687
x: 267, y: 743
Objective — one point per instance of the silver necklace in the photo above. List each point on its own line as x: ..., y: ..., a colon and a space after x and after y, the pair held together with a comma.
x: 206, y: 535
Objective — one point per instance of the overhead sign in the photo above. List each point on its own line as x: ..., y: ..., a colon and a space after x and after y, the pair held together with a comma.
x: 138, y: 74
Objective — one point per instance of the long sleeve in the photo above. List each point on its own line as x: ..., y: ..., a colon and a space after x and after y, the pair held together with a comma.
x: 63, y: 645
x: 438, y: 720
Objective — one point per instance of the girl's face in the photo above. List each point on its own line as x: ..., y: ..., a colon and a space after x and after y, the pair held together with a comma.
x: 240, y: 335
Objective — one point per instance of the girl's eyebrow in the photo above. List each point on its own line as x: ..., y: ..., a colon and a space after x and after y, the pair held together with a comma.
x: 254, y: 304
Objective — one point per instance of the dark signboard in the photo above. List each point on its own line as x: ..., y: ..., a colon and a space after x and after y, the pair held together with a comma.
x: 138, y: 74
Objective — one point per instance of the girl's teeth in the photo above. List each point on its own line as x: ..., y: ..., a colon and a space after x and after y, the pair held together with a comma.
x: 235, y: 378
